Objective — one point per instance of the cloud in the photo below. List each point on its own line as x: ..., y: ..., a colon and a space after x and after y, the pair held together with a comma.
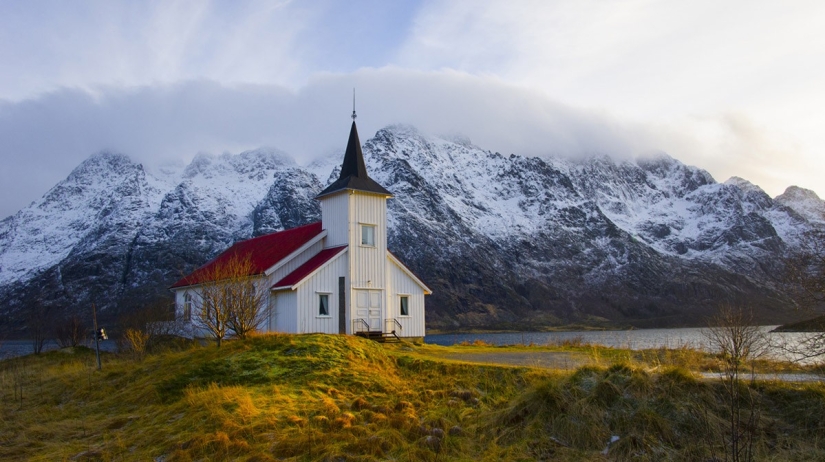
x: 636, y: 57
x: 733, y: 144
x: 43, y: 138
x: 679, y: 69
x: 88, y: 43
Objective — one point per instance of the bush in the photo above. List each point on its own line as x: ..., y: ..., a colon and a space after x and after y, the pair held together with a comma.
x: 136, y: 342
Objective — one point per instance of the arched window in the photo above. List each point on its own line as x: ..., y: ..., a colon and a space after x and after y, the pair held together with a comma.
x: 187, y: 306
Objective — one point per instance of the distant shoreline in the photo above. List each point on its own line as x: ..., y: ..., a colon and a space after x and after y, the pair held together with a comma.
x: 816, y: 324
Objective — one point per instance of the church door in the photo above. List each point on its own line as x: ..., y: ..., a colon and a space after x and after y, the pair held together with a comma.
x: 368, y: 307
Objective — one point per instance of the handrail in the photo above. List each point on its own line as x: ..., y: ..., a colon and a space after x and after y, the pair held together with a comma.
x: 355, y: 322
x: 395, y: 323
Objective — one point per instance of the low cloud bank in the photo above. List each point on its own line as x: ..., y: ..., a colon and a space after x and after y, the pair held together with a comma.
x: 42, y: 139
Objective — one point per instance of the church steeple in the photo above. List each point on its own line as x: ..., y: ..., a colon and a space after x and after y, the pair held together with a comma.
x: 353, y: 171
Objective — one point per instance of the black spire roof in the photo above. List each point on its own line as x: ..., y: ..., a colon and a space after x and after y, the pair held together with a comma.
x: 353, y: 171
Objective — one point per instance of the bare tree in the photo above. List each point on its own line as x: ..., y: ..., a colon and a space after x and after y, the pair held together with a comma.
x: 245, y: 307
x: 228, y: 300
x: 805, y: 273
x: 805, y: 269
x: 737, y: 340
x: 3, y: 323
x: 38, y: 326
x: 70, y: 332
x: 144, y: 326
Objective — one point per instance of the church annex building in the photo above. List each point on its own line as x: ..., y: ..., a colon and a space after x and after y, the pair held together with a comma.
x: 335, y: 276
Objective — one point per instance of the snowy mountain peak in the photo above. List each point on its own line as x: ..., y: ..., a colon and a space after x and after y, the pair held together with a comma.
x: 200, y: 163
x: 499, y: 238
x: 402, y: 130
x: 795, y: 193
x: 458, y: 138
x: 105, y: 190
x: 101, y: 164
x: 266, y: 157
x: 254, y: 164
x: 678, y: 177
x: 803, y: 201
x: 742, y: 184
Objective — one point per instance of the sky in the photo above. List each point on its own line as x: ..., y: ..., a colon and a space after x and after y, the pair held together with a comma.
x: 734, y: 87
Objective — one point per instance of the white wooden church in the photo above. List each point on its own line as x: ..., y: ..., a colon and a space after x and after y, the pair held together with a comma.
x: 335, y: 276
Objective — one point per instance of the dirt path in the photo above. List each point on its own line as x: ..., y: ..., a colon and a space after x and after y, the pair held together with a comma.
x: 570, y: 361
x: 545, y: 359
x: 778, y: 377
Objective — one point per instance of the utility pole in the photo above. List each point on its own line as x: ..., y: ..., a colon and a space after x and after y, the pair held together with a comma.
x: 97, y: 336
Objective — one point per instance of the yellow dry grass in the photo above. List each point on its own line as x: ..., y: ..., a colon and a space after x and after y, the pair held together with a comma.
x: 322, y: 397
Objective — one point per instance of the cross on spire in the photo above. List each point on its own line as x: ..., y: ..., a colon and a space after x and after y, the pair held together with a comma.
x: 353, y: 170
x: 353, y: 105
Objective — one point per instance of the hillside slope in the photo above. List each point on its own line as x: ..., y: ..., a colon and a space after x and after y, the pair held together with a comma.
x: 322, y: 397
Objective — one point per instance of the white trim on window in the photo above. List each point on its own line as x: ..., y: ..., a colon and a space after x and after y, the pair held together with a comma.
x: 187, y: 306
x: 402, y: 306
x: 367, y: 235
x: 323, y: 305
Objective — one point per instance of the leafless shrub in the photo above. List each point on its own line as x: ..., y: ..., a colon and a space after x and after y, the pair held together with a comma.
x: 70, y: 332
x: 147, y: 325
x: 805, y: 270
x: 136, y: 341
x: 805, y: 273
x: 38, y: 325
x: 736, y: 338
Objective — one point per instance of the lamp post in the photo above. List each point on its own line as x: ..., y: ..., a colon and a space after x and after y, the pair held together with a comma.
x: 97, y: 336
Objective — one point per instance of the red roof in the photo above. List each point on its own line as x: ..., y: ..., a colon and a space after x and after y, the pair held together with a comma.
x: 307, y: 268
x: 264, y: 251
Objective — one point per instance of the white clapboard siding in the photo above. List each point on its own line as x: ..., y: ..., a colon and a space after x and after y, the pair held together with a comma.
x: 324, y: 281
x: 402, y: 284
x: 262, y: 284
x: 285, y: 311
x: 368, y: 263
x: 335, y: 218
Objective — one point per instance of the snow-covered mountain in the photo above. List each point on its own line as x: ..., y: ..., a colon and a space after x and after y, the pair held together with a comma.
x: 504, y: 240
x: 804, y: 202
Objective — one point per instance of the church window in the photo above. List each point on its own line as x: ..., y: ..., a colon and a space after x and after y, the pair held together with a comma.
x: 405, y: 305
x: 187, y: 306
x: 323, y: 304
x: 368, y: 235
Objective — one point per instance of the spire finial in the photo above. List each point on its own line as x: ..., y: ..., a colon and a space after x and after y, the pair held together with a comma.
x: 353, y: 105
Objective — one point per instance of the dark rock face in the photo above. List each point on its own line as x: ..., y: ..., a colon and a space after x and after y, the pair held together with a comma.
x: 290, y: 202
x: 567, y: 261
x: 503, y: 241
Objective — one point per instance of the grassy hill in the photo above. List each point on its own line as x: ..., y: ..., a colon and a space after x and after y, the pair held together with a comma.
x: 338, y: 398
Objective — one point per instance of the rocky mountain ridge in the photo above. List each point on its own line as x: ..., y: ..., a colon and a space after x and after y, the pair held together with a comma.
x: 505, y: 241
